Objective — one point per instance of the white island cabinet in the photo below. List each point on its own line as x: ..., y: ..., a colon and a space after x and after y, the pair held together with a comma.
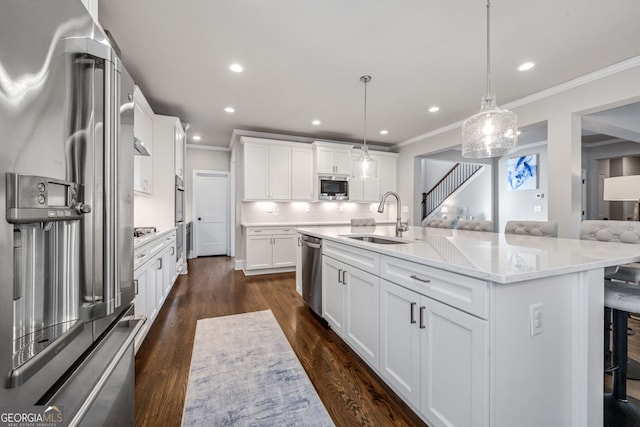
x: 454, y: 313
x: 351, y: 298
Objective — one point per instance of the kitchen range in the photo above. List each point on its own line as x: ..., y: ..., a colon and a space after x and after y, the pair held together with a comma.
x: 66, y: 173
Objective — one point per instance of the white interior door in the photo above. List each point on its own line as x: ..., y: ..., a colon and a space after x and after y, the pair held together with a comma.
x: 210, y: 216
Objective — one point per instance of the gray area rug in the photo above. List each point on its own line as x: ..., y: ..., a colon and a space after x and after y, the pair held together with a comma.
x: 245, y: 373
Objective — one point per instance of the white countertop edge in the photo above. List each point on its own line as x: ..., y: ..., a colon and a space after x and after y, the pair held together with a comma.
x: 512, y: 277
x: 304, y: 223
x: 140, y: 241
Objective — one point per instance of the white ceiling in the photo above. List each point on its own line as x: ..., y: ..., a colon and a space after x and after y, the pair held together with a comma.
x: 303, y: 59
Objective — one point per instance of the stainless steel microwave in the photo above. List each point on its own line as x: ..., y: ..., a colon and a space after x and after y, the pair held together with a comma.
x: 333, y: 188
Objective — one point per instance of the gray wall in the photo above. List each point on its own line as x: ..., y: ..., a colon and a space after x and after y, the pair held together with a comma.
x: 202, y: 159
x: 521, y: 204
x: 474, y: 199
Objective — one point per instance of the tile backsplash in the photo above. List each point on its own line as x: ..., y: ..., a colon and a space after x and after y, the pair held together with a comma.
x: 306, y: 212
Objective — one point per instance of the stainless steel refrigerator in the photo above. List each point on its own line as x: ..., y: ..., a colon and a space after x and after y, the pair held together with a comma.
x: 66, y: 240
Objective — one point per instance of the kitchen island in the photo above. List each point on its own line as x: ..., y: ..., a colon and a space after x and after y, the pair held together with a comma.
x: 473, y: 328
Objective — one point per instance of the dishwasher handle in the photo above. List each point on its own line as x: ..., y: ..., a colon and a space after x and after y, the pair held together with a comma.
x: 311, y: 242
x: 311, y: 245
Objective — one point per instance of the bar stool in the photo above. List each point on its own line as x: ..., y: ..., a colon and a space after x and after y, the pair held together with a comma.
x: 475, y: 225
x: 622, y: 299
x: 532, y: 228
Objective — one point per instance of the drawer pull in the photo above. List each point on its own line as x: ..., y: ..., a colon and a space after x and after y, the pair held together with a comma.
x: 420, y: 279
x: 141, y: 256
x: 413, y: 318
x: 135, y: 286
x: 422, y: 317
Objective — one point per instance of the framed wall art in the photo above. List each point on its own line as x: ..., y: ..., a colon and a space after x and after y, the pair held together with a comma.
x: 522, y: 173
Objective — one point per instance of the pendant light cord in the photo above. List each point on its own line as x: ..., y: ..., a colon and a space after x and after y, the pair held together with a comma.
x: 365, y: 79
x: 365, y: 110
x: 488, y: 48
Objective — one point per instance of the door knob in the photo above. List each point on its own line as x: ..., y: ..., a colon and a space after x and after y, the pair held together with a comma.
x: 199, y: 219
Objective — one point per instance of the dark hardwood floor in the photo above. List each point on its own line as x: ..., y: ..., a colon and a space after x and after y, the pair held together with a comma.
x: 352, y: 393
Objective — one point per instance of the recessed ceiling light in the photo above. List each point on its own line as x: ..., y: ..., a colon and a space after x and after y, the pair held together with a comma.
x: 196, y: 137
x: 316, y: 122
x: 434, y: 109
x: 230, y: 110
x: 384, y: 132
x: 526, y: 66
x: 236, y: 68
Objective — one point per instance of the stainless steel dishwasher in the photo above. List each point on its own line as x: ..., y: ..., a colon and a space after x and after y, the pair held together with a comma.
x: 312, y: 272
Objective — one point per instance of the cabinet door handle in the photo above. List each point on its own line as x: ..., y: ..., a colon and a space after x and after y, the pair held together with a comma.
x: 173, y: 250
x: 344, y: 277
x: 413, y: 318
x: 135, y: 286
x: 159, y: 263
x: 339, y: 275
x: 420, y: 279
x: 422, y: 317
x: 299, y: 242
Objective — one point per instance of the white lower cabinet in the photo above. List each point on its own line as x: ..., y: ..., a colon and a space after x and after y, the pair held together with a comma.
x: 351, y: 307
x: 454, y: 362
x: 435, y: 356
x: 299, y: 264
x: 400, y: 341
x: 270, y: 249
x: 154, y: 275
x: 333, y: 294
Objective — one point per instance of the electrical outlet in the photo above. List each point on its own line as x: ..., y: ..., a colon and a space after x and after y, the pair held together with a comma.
x: 405, y: 209
x: 340, y: 208
x: 306, y: 208
x: 536, y: 323
x: 537, y: 208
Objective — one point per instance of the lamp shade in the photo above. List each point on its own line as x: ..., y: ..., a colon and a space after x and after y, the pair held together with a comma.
x: 365, y: 167
x: 492, y: 132
x: 622, y: 188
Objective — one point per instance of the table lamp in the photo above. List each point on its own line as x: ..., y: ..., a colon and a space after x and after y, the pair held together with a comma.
x: 623, y: 189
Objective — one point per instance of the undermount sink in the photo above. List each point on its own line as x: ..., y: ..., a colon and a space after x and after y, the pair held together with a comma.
x: 377, y: 239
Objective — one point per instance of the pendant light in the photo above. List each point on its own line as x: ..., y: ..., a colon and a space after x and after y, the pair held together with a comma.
x: 365, y: 167
x: 492, y: 132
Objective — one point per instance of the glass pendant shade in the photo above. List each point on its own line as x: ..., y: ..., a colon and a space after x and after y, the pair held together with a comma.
x: 365, y: 167
x: 492, y: 132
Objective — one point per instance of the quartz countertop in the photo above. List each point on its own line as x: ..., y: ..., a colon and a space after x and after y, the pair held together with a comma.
x: 139, y: 241
x: 305, y: 223
x: 497, y: 257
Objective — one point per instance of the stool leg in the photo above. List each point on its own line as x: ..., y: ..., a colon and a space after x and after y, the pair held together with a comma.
x: 607, y: 331
x: 620, y: 355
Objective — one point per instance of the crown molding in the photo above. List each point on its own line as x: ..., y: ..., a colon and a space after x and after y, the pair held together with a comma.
x: 554, y: 90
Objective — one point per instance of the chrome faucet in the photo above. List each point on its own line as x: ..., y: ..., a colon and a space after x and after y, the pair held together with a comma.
x: 400, y: 227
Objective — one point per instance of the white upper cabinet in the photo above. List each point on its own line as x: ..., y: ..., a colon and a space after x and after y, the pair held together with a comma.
x: 387, y: 172
x: 279, y: 172
x: 372, y: 190
x: 143, y: 130
x: 267, y: 170
x: 302, y: 177
x: 332, y: 159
